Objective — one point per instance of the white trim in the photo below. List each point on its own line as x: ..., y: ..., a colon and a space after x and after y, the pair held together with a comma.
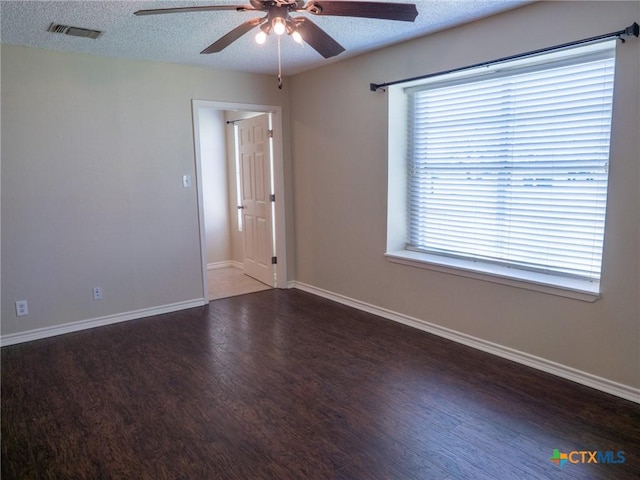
x: 225, y: 264
x: 555, y: 285
x: 46, y: 332
x: 569, y: 373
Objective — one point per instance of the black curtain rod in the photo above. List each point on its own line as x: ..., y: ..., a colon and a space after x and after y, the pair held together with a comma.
x: 632, y: 30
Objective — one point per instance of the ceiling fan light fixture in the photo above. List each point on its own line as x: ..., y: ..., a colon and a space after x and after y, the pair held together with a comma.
x: 266, y: 28
x: 261, y: 37
x: 297, y: 37
x: 279, y: 26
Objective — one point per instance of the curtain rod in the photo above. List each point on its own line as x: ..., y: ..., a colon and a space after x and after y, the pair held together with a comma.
x: 632, y: 30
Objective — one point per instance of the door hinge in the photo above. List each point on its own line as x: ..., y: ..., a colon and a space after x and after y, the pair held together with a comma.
x: 270, y: 133
x: 272, y: 197
x: 274, y: 260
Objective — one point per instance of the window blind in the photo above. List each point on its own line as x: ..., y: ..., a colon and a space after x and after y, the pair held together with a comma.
x: 513, y: 168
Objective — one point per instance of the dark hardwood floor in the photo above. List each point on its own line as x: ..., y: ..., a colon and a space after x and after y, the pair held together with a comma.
x: 286, y: 385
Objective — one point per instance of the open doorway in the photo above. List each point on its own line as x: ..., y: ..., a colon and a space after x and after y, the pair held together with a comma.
x: 223, y: 194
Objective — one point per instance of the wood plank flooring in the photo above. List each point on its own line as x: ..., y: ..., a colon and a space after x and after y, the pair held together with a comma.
x: 285, y: 385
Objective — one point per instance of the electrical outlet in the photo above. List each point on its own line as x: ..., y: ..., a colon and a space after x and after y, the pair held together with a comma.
x: 22, y: 308
x: 97, y: 293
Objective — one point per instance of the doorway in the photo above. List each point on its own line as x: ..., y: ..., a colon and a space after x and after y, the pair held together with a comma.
x: 214, y: 126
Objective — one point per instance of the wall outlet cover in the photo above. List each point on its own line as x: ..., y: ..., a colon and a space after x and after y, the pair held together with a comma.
x: 22, y: 308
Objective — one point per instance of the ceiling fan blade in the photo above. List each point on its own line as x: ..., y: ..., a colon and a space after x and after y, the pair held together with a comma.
x: 406, y: 12
x: 207, y: 8
x: 317, y: 38
x: 233, y: 35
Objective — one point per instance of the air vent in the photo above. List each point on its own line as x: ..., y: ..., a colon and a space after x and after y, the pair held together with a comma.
x: 55, y: 28
x: 73, y: 31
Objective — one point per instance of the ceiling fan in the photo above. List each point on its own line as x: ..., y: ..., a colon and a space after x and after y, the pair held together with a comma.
x: 278, y: 19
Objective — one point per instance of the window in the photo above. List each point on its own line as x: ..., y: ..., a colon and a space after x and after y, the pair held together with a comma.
x: 236, y: 158
x: 506, y: 168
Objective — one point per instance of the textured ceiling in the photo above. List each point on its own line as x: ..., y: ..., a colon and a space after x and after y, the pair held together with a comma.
x: 178, y: 38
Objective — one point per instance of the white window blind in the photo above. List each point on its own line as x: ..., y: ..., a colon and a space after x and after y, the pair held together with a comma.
x: 511, y: 167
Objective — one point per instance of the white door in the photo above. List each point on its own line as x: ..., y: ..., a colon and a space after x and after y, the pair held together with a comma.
x: 255, y: 169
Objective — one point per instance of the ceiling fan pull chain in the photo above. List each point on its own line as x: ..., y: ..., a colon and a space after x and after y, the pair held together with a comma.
x: 279, y: 65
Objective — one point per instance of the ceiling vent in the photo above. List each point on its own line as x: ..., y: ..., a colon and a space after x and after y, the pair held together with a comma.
x: 74, y: 31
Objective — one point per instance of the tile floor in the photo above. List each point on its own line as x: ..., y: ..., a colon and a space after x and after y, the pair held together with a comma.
x: 231, y: 281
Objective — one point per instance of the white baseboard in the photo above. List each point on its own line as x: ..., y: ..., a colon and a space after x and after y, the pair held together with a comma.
x: 225, y: 264
x: 46, y: 332
x: 569, y: 373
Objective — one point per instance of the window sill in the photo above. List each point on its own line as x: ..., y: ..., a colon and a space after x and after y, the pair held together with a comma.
x: 564, y: 287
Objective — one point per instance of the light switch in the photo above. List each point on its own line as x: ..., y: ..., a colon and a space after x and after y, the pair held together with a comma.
x: 186, y: 181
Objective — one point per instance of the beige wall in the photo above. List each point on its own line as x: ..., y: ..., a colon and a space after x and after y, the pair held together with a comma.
x: 93, y: 153
x: 215, y: 189
x: 339, y: 146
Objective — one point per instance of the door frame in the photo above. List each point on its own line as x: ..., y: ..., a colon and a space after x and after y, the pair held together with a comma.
x: 278, y: 180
